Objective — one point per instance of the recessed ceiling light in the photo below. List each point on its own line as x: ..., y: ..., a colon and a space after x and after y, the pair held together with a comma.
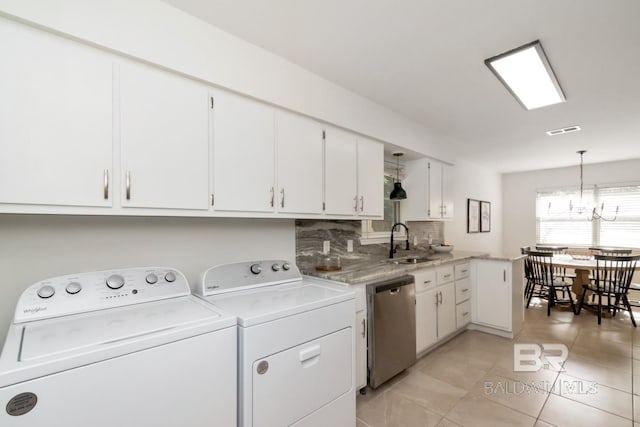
x: 561, y: 131
x: 525, y: 71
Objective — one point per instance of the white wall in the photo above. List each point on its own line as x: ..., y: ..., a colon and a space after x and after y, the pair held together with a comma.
x: 35, y: 247
x: 160, y: 34
x: 519, y: 194
x: 474, y: 182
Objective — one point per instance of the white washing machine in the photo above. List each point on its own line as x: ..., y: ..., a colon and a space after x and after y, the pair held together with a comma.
x: 121, y: 348
x: 296, y: 344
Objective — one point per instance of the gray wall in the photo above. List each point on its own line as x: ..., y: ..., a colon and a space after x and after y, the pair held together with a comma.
x: 34, y: 247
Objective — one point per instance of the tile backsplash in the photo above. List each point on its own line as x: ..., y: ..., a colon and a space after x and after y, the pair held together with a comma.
x: 310, y: 234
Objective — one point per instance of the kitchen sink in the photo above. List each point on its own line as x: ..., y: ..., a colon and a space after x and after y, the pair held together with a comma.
x: 412, y: 260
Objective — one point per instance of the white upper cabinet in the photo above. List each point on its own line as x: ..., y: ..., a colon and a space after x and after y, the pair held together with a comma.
x: 243, y: 154
x: 299, y: 164
x: 370, y: 178
x: 55, y: 120
x: 429, y: 189
x: 341, y: 190
x: 164, y: 136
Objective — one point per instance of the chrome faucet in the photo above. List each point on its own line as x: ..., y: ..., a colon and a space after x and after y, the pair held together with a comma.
x: 392, y: 250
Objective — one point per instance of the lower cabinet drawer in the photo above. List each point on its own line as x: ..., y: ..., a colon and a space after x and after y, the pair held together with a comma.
x: 463, y: 314
x: 463, y: 290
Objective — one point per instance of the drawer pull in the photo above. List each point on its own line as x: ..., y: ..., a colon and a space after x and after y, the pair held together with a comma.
x: 309, y: 353
x: 463, y: 271
x: 465, y: 313
x: 465, y: 290
x: 427, y: 282
x: 447, y: 276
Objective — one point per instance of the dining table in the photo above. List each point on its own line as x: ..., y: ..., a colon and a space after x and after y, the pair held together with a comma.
x: 582, y: 265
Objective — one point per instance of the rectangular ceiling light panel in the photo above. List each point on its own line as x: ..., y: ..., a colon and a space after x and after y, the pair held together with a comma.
x: 527, y: 74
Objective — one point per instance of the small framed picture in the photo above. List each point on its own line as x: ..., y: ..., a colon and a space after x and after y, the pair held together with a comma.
x: 485, y: 217
x: 473, y: 216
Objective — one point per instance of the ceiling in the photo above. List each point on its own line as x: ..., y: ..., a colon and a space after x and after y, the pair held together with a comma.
x: 424, y: 59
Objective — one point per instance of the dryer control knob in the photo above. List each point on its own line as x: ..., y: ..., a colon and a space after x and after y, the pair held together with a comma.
x: 170, y: 277
x: 115, y: 281
x: 73, y: 288
x: 286, y: 266
x: 46, y: 291
x: 151, y: 278
x: 255, y: 268
x: 275, y: 267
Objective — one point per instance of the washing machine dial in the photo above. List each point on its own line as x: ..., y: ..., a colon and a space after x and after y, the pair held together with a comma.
x: 286, y: 266
x: 73, y: 288
x: 255, y: 268
x: 115, y: 281
x: 46, y: 291
x: 275, y: 267
x: 170, y: 277
x: 151, y: 278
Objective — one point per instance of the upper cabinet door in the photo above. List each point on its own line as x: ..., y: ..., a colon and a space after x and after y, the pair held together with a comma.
x: 340, y: 173
x: 370, y: 178
x: 447, y: 191
x: 299, y: 164
x: 435, y: 190
x: 164, y: 134
x: 243, y: 158
x: 55, y: 120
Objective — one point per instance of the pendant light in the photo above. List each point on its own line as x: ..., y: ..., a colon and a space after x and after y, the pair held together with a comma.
x: 398, y: 192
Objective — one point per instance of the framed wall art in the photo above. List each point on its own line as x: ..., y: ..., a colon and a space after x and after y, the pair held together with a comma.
x: 485, y: 217
x: 473, y: 216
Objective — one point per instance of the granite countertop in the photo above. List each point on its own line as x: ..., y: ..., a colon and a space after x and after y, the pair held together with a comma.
x: 373, y: 269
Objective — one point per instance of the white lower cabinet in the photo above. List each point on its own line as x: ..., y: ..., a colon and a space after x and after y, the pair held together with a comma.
x: 435, y: 306
x: 497, y: 300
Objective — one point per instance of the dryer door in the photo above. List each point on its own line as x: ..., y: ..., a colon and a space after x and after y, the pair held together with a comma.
x: 290, y: 385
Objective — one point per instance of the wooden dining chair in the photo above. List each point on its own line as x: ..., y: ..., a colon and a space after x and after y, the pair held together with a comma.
x: 611, y: 251
x: 613, y: 275
x: 524, y: 250
x: 560, y: 272
x: 544, y: 279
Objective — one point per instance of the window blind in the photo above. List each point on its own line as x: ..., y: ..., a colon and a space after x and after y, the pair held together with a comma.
x: 559, y: 219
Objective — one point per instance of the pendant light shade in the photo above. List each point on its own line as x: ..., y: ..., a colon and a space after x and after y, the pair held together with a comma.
x: 398, y: 192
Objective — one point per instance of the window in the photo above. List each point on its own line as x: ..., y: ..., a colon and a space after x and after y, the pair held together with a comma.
x: 559, y: 219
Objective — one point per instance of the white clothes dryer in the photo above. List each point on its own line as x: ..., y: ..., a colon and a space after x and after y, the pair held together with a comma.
x: 121, y: 348
x: 296, y: 344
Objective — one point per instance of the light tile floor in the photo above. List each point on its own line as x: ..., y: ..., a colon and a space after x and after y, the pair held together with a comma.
x: 470, y: 380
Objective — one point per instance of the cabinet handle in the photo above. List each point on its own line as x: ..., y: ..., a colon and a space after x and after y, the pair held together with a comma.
x: 440, y: 297
x: 364, y: 328
x: 282, y: 198
x: 128, y: 185
x: 427, y: 281
x: 355, y: 203
x: 446, y: 276
x: 465, y: 290
x: 504, y: 275
x: 437, y: 300
x: 463, y: 271
x: 465, y: 313
x: 272, y: 192
x: 106, y: 184
x: 361, y: 203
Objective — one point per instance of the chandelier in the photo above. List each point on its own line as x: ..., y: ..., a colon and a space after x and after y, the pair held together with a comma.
x: 580, y: 209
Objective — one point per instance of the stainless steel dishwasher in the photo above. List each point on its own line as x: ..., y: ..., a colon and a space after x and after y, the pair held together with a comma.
x: 391, y: 306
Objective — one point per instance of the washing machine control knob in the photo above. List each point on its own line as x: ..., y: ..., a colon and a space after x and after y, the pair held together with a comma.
x: 115, y: 281
x: 275, y: 267
x: 46, y: 291
x: 170, y: 277
x: 151, y: 278
x: 286, y: 266
x: 255, y: 268
x: 73, y: 288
